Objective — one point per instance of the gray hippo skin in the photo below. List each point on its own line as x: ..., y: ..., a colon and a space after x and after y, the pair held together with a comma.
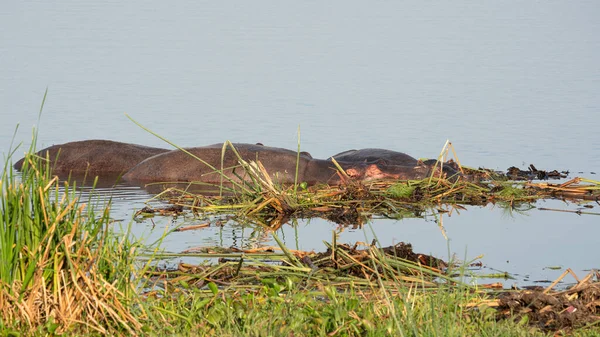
x: 178, y: 166
x: 384, y: 157
x: 376, y: 155
x: 95, y: 157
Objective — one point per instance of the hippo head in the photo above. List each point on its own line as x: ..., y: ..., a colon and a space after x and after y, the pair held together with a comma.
x: 384, y: 171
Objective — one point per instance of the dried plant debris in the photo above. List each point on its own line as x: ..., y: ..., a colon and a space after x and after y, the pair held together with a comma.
x: 340, y: 263
x: 533, y: 173
x: 567, y: 309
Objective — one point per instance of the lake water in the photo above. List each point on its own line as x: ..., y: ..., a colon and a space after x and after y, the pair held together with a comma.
x: 509, y: 83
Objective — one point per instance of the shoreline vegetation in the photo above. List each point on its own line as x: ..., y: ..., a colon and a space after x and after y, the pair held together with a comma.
x: 67, y: 269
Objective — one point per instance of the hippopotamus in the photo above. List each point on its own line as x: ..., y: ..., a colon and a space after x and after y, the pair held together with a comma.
x: 179, y: 166
x: 95, y: 157
x: 376, y: 155
x: 394, y: 158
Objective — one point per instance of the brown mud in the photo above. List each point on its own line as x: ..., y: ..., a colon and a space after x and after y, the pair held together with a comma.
x: 553, y: 311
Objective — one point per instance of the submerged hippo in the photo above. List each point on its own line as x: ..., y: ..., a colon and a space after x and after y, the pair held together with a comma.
x: 96, y: 157
x: 376, y: 155
x: 389, y: 157
x: 280, y: 163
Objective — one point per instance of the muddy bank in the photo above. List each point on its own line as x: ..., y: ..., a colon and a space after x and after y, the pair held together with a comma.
x: 552, y: 311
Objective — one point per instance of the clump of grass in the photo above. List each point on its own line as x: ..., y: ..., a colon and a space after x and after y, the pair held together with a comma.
x: 62, y: 268
x: 510, y: 191
x: 401, y: 191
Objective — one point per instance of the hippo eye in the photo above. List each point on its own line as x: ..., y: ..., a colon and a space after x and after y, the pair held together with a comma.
x: 381, y: 161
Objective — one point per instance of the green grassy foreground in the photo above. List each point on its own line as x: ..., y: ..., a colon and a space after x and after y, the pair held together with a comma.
x: 65, y: 270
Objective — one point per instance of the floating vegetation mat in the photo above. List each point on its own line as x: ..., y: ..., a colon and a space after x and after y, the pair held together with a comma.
x: 355, y: 202
x: 340, y: 265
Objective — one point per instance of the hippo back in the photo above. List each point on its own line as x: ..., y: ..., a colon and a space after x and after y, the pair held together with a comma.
x: 98, y: 157
x: 177, y: 165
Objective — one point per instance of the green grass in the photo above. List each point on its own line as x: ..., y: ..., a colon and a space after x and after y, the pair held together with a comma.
x: 283, y: 309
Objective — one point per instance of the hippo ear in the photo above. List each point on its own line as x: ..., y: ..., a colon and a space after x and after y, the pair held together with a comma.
x: 260, y: 144
x: 427, y: 162
x: 306, y: 154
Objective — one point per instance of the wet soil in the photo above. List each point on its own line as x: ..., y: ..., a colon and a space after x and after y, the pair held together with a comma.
x: 553, y: 311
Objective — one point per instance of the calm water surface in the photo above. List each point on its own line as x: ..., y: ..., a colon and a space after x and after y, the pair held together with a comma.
x: 509, y: 83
